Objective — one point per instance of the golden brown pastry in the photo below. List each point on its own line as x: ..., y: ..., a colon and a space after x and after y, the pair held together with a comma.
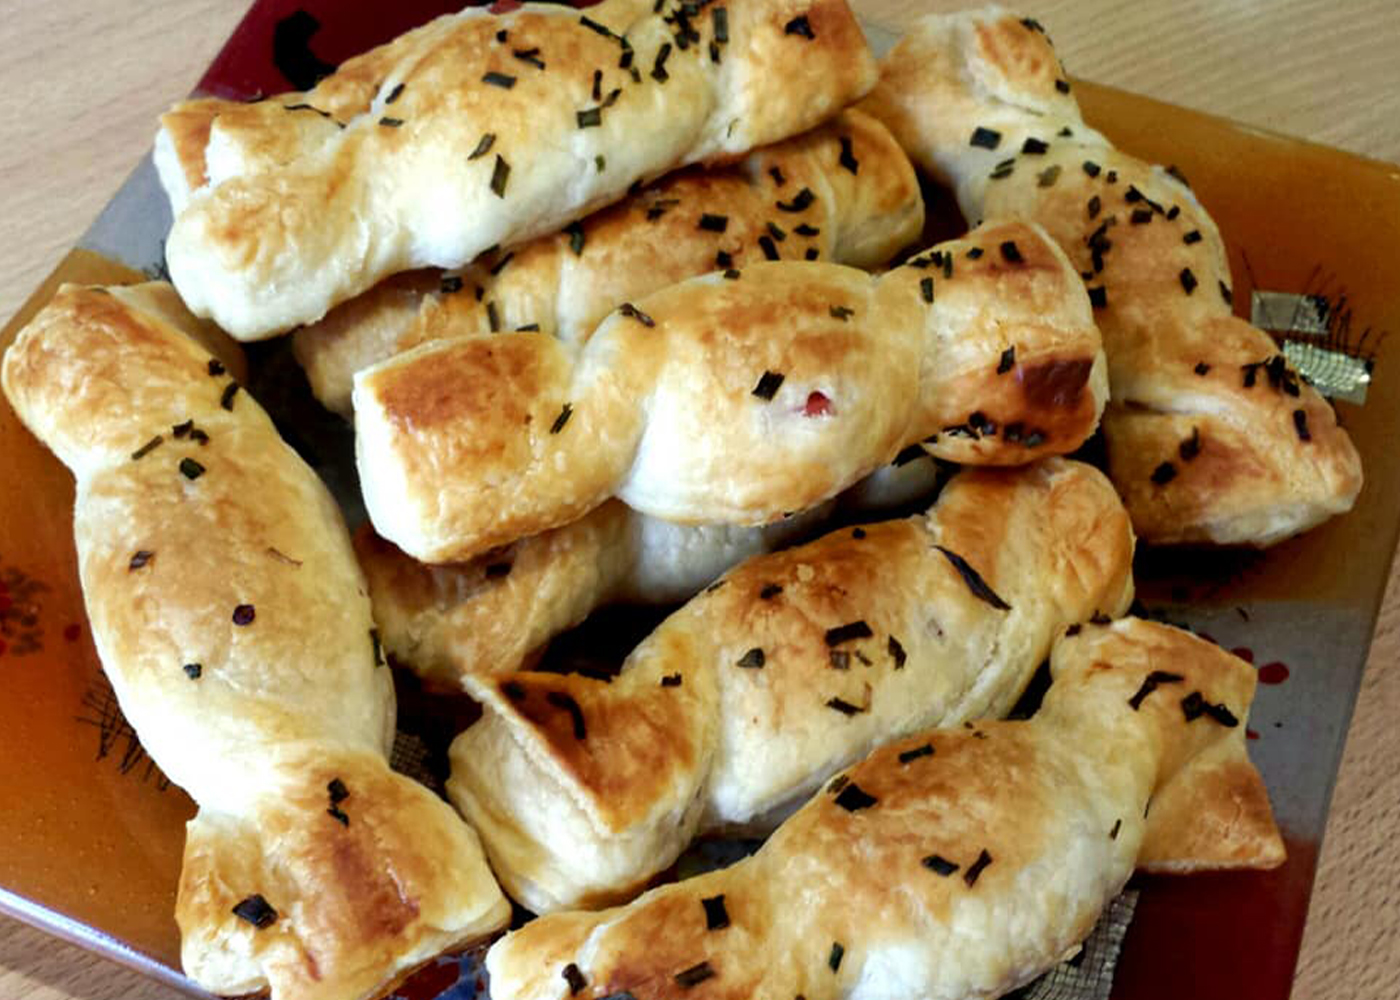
x: 1211, y: 436
x: 496, y: 613
x: 789, y: 668
x: 734, y: 398
x: 234, y: 626
x: 959, y: 863
x: 866, y: 207
x: 491, y: 130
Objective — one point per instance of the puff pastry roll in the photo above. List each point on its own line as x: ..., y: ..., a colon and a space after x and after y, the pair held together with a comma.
x: 234, y: 626
x: 496, y: 613
x: 959, y: 863
x: 866, y: 208
x: 1211, y: 436
x: 734, y: 397
x: 491, y: 130
x: 788, y: 669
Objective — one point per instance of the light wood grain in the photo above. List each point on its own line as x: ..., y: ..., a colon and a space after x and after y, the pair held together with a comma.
x: 83, y: 83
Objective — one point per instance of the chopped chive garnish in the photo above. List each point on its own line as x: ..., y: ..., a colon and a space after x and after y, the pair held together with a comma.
x: 631, y: 311
x: 575, y: 231
x: 838, y: 951
x: 770, y: 591
x: 1098, y: 297
x: 1091, y: 168
x: 256, y: 911
x: 1191, y: 447
x: 907, y: 756
x: 531, y: 56
x: 848, y: 158
x: 147, y: 448
x: 191, y: 469
x: 768, y: 385
x: 483, y: 146
x: 973, y: 580
x: 769, y: 248
x: 388, y: 122
x: 503, y: 80
x: 800, y: 26
x: 590, y: 118
x: 801, y: 203
x: 574, y: 978
x: 713, y: 223
x: 976, y: 868
x: 658, y: 70
x: 1010, y: 253
x: 985, y: 138
x: 394, y: 94
x: 1034, y: 147
x: 1300, y: 424
x: 1188, y: 280
x: 1008, y: 360
x: 853, y: 798
x: 716, y: 915
x: 848, y: 632
x: 807, y: 230
x: 1164, y: 474
x: 940, y: 865
x: 1047, y: 177
x: 842, y: 313
x: 1194, y: 236
x: 193, y: 670
x: 244, y: 614
x: 564, y: 414
x: 500, y: 176
x: 593, y: 25
x: 694, y: 975
x: 926, y: 289
x: 752, y: 660
x: 1150, y: 683
x: 226, y: 398
x: 843, y: 706
x: 897, y: 653
x: 561, y: 700
x: 1062, y: 86
x: 139, y: 559
x: 671, y: 681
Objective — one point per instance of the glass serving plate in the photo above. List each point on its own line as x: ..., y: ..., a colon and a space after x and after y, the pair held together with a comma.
x: 91, y: 841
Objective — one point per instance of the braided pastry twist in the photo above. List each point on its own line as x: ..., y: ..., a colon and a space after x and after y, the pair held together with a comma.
x: 789, y: 668
x: 1211, y: 436
x: 733, y: 398
x: 959, y: 863
x: 491, y: 130
x: 867, y: 207
x: 234, y: 626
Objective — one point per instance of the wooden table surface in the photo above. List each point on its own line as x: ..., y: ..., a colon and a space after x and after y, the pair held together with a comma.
x: 81, y: 84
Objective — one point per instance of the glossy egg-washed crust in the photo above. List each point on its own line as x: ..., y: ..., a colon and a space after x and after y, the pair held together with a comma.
x: 734, y: 399
x: 867, y: 207
x: 957, y: 863
x: 1211, y: 437
x: 789, y: 668
x: 467, y: 145
x: 495, y: 613
x: 234, y: 625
